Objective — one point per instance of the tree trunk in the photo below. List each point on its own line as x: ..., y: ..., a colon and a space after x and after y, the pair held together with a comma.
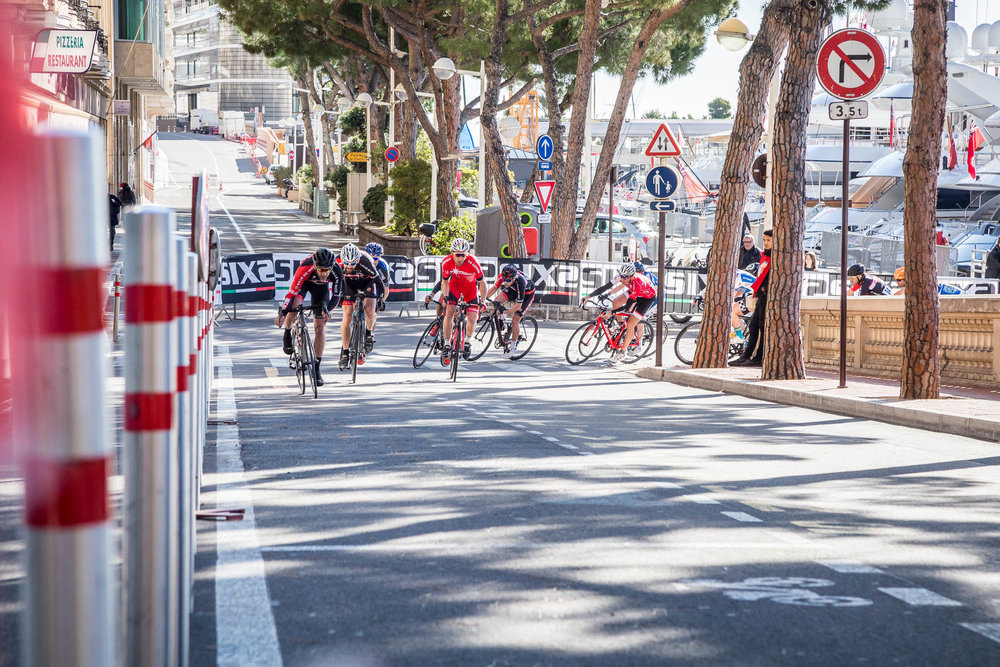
x: 756, y: 71
x: 921, y: 377
x: 783, y: 328
x: 529, y: 186
x: 310, y: 139
x: 556, y: 132
x: 565, y: 194
x: 496, y: 155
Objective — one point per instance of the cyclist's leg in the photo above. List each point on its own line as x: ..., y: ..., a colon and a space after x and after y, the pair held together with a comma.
x: 472, y: 312
x: 345, y: 321
x: 518, y: 313
x: 630, y: 322
x: 449, y: 314
x: 371, y: 315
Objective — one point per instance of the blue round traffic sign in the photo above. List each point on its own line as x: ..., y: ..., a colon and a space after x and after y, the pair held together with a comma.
x: 661, y: 182
x: 544, y: 147
x: 391, y: 154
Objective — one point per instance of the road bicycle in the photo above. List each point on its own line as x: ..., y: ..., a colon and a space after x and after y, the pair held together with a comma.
x: 494, y: 328
x: 604, y: 334
x: 303, y: 357
x: 356, y: 349
x: 457, y: 341
x: 430, y: 341
x: 687, y: 338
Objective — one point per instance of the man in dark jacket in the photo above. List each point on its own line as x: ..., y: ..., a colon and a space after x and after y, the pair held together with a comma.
x: 115, y: 208
x: 749, y: 253
x: 753, y: 354
x: 126, y: 195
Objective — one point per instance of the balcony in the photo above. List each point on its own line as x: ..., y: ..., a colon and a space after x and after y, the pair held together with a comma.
x: 140, y: 67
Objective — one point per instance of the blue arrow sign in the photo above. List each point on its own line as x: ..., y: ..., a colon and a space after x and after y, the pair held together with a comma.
x: 662, y: 205
x: 544, y: 147
x: 661, y: 182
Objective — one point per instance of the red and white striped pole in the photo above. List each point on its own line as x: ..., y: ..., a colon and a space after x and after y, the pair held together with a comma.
x: 62, y: 415
x: 149, y: 454
x: 185, y: 481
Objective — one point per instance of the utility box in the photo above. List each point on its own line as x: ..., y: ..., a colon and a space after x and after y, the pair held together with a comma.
x: 491, y: 232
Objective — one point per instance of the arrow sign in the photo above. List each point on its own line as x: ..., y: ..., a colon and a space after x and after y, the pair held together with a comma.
x: 544, y: 191
x: 662, y: 182
x: 662, y: 205
x: 850, y: 64
x: 663, y: 143
x: 544, y: 147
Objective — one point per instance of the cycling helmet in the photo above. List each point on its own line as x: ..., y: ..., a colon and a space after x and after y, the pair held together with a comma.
x: 350, y: 254
x: 374, y: 249
x: 752, y: 268
x: 323, y: 258
x: 639, y: 267
x: 508, y: 271
x: 856, y: 270
x: 899, y: 275
x: 626, y: 270
x: 460, y: 245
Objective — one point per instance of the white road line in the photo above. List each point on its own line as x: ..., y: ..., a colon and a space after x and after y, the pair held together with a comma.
x: 702, y: 500
x: 565, y: 446
x: 535, y: 432
x: 920, y: 597
x: 743, y: 516
x: 549, y: 438
x: 988, y: 630
x: 276, y: 381
x: 235, y: 226
x: 668, y: 485
x: 849, y: 567
x: 244, y: 622
x: 486, y: 546
x: 279, y: 363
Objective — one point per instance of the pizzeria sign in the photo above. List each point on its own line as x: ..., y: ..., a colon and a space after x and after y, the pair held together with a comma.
x: 63, y: 51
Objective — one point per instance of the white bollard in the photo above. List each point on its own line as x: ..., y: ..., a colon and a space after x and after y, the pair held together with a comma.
x: 194, y: 393
x: 185, y: 450
x: 149, y: 455
x: 62, y: 415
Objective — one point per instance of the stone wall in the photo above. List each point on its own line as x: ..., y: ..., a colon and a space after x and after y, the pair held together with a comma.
x: 969, y: 344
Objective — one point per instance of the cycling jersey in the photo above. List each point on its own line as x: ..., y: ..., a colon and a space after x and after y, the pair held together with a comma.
x: 324, y: 291
x: 870, y: 285
x: 517, y: 287
x: 462, y: 280
x: 383, y: 269
x: 362, y: 277
x: 641, y: 287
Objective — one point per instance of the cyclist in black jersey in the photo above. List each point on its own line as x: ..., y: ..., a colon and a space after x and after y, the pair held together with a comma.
x: 866, y: 285
x: 361, y: 276
x: 514, y: 288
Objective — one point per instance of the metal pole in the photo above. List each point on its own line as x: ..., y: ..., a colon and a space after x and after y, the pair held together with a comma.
x: 150, y: 438
x: 434, y: 167
x: 612, y: 176
x: 368, y: 146
x: 392, y: 125
x: 118, y: 292
x: 482, y: 147
x: 185, y: 514
x: 60, y: 414
x: 844, y: 205
x: 660, y: 260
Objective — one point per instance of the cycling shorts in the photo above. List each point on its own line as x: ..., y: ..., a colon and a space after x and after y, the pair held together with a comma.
x: 319, y: 293
x: 354, y: 287
x: 529, y: 298
x: 640, y: 305
x: 469, y: 292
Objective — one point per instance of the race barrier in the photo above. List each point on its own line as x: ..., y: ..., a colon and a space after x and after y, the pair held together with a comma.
x: 266, y: 277
x: 61, y: 415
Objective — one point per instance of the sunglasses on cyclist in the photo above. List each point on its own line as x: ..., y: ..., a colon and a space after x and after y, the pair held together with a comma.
x: 324, y: 269
x: 459, y: 254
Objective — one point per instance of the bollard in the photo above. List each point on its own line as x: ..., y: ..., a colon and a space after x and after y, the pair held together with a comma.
x: 194, y: 395
x: 61, y: 416
x: 185, y: 450
x: 118, y: 293
x: 149, y: 454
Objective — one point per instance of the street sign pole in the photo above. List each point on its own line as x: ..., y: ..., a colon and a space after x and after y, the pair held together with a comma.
x: 660, y: 259
x: 844, y: 204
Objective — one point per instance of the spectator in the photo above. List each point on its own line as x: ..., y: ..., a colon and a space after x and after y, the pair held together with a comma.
x: 115, y: 208
x: 993, y: 262
x: 939, y: 238
x: 753, y: 353
x: 126, y: 195
x: 749, y: 253
x: 809, y: 261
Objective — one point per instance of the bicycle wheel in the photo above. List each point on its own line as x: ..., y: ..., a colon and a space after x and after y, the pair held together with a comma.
x: 681, y: 319
x: 425, y: 346
x: 583, y: 343
x: 456, y: 347
x: 686, y: 343
x: 357, y: 342
x: 309, y: 360
x: 300, y: 366
x: 481, y: 338
x: 643, y: 346
x: 526, y: 334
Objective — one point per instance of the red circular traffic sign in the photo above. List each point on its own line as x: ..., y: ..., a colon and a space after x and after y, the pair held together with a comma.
x: 391, y: 154
x: 851, y: 64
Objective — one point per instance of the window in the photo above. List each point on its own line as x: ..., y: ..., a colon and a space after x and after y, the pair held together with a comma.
x: 130, y: 20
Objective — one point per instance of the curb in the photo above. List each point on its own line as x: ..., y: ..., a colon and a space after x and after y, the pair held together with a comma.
x: 892, y: 411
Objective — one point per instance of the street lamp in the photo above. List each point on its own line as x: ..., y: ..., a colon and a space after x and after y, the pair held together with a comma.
x: 364, y: 100
x: 732, y: 34
x: 509, y: 128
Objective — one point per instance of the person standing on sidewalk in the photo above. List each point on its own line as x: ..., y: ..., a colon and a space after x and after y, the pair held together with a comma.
x: 115, y: 209
x: 749, y: 253
x: 126, y: 195
x: 753, y: 354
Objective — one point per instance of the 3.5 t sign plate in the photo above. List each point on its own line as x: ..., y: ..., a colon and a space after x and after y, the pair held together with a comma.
x: 848, y: 110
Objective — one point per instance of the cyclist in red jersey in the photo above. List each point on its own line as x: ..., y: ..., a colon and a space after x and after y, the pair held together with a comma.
x: 314, y: 276
x: 461, y: 278
x: 637, y: 297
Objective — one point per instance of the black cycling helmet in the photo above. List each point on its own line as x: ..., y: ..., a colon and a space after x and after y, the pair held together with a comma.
x: 323, y: 258
x: 640, y: 267
x: 508, y: 271
x: 856, y: 270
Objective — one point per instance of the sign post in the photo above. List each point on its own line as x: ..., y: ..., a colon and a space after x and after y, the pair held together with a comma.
x: 850, y: 65
x: 544, y: 191
x: 661, y: 182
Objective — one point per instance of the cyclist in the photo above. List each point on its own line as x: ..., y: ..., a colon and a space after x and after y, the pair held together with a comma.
x: 315, y: 276
x: 438, y: 299
x: 514, y: 287
x: 866, y: 285
x: 900, y: 277
x: 461, y: 278
x: 641, y: 268
x: 638, y: 294
x: 361, y: 276
x: 376, y: 250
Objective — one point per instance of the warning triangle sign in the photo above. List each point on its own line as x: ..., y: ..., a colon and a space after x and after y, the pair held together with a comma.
x: 663, y: 143
x: 544, y: 191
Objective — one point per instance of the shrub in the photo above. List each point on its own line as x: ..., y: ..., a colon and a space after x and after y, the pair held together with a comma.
x: 411, y: 193
x: 280, y: 174
x: 463, y: 225
x: 338, y: 178
x: 304, y: 177
x: 374, y: 203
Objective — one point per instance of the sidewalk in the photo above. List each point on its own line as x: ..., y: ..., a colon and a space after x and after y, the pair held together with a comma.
x: 974, y: 413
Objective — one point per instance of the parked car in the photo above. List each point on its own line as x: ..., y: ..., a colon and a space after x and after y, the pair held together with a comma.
x: 625, y: 227
x: 269, y: 177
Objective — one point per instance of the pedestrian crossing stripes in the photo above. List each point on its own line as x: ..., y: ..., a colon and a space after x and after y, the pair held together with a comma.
x: 850, y: 567
x: 920, y: 597
x: 989, y: 630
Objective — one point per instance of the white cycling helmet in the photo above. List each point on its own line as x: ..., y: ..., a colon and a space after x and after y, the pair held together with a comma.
x: 460, y: 245
x: 626, y: 269
x: 350, y: 253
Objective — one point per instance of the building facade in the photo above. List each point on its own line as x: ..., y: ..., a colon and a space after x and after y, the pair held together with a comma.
x: 212, y: 70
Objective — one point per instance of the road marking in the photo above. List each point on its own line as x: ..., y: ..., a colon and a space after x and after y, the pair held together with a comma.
x: 550, y: 438
x: 486, y: 546
x: 279, y: 363
x: 276, y: 381
x: 244, y: 622
x: 239, y: 231
x: 668, y: 485
x: 702, y: 500
x: 988, y: 630
x: 565, y: 446
x: 761, y: 507
x: 849, y: 567
x: 743, y: 516
x: 535, y: 432
x: 920, y: 597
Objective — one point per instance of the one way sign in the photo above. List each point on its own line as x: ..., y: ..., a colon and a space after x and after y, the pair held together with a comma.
x: 663, y: 143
